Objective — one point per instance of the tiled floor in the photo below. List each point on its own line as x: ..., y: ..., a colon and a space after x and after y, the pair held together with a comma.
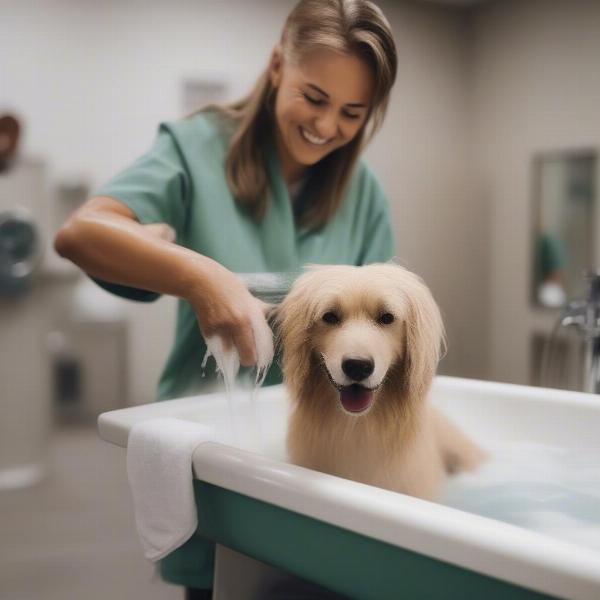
x: 73, y: 535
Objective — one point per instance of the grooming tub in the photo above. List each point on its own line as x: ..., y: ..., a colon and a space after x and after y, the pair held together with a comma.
x: 368, y: 543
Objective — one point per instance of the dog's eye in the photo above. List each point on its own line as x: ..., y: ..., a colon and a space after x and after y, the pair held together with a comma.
x: 331, y: 318
x: 386, y: 318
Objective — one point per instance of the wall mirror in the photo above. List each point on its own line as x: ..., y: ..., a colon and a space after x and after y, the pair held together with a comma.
x: 564, y: 225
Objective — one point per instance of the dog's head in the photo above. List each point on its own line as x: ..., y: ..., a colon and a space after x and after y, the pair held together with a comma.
x: 361, y: 332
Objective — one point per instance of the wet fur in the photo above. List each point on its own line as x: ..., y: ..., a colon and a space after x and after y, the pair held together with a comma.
x: 400, y: 443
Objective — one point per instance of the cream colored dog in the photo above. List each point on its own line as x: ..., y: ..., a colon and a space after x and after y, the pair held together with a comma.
x: 360, y: 349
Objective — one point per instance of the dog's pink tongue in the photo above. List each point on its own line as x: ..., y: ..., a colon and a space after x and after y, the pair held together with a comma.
x: 356, y: 398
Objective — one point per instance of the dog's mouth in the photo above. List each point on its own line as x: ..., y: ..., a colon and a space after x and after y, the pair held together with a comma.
x: 356, y: 398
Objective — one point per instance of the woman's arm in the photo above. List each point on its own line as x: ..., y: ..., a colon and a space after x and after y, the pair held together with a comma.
x: 105, y: 240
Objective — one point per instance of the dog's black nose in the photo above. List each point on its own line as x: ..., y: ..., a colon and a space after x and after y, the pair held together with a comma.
x: 357, y: 369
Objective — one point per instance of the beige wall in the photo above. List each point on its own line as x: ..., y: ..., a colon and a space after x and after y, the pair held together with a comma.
x: 536, y: 88
x: 424, y: 158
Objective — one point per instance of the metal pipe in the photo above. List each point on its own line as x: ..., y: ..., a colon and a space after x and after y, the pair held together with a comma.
x: 584, y: 316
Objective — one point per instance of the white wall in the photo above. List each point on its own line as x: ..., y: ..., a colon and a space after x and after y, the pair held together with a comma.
x: 536, y: 88
x: 93, y: 79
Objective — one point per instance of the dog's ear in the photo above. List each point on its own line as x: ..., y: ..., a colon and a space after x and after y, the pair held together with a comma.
x: 293, y: 319
x: 425, y: 339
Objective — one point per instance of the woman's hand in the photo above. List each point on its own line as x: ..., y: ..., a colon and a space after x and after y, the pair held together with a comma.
x: 225, y: 308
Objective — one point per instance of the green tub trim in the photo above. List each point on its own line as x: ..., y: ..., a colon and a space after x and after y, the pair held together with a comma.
x: 340, y: 560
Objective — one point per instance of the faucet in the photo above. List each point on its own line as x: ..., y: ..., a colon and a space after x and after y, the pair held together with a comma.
x: 584, y: 316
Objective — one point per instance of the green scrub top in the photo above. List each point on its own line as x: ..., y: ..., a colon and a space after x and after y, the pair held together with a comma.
x: 181, y: 181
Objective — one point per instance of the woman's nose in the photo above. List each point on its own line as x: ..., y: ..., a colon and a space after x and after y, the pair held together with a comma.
x: 327, y: 125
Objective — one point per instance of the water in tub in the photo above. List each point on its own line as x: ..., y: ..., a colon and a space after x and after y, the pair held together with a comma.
x: 548, y: 489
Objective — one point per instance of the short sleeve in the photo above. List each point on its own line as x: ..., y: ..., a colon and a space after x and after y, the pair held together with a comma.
x: 379, y: 242
x: 156, y: 186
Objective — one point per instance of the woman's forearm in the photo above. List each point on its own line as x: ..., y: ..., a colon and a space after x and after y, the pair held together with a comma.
x: 116, y: 248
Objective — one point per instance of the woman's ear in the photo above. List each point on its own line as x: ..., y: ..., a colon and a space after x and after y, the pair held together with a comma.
x: 276, y: 66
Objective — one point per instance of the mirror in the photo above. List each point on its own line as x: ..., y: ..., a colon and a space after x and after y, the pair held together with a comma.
x: 563, y: 225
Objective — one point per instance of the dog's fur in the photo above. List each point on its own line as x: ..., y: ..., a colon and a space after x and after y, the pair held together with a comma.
x: 399, y: 442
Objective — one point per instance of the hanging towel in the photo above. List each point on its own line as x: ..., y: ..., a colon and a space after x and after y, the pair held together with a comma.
x: 159, y: 468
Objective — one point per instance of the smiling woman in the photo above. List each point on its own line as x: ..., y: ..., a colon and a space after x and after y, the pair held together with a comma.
x: 265, y: 184
x: 328, y: 85
x: 321, y: 105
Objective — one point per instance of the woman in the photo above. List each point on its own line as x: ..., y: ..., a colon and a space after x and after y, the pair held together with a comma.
x: 266, y: 184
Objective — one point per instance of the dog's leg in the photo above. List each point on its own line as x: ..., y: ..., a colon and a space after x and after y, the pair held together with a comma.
x: 459, y: 452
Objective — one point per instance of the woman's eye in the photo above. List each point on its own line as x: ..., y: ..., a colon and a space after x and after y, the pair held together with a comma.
x: 351, y: 116
x: 331, y: 318
x: 386, y: 319
x: 315, y: 101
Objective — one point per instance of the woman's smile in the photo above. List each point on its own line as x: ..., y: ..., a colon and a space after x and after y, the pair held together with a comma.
x: 312, y: 138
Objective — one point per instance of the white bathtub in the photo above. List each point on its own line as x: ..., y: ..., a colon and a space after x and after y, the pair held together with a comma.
x: 370, y: 543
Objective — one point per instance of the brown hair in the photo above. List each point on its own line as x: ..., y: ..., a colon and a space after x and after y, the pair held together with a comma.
x: 352, y: 26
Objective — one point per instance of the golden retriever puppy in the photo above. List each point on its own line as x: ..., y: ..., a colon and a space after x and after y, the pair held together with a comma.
x: 360, y: 349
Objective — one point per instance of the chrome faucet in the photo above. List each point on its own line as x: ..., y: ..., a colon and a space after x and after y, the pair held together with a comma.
x: 584, y: 316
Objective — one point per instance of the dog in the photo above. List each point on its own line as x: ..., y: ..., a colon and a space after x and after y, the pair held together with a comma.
x: 360, y: 347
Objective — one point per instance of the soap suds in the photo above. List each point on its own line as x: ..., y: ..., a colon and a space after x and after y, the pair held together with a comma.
x: 228, y: 366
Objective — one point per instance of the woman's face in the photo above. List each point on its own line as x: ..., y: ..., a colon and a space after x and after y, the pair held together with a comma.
x: 321, y: 105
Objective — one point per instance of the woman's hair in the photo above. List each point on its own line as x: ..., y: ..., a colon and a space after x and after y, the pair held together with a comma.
x: 356, y: 27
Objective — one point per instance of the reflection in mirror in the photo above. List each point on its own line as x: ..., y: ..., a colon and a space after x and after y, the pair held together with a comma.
x: 564, y: 212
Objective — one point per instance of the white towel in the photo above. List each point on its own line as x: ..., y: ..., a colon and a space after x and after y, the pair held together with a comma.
x: 159, y: 468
